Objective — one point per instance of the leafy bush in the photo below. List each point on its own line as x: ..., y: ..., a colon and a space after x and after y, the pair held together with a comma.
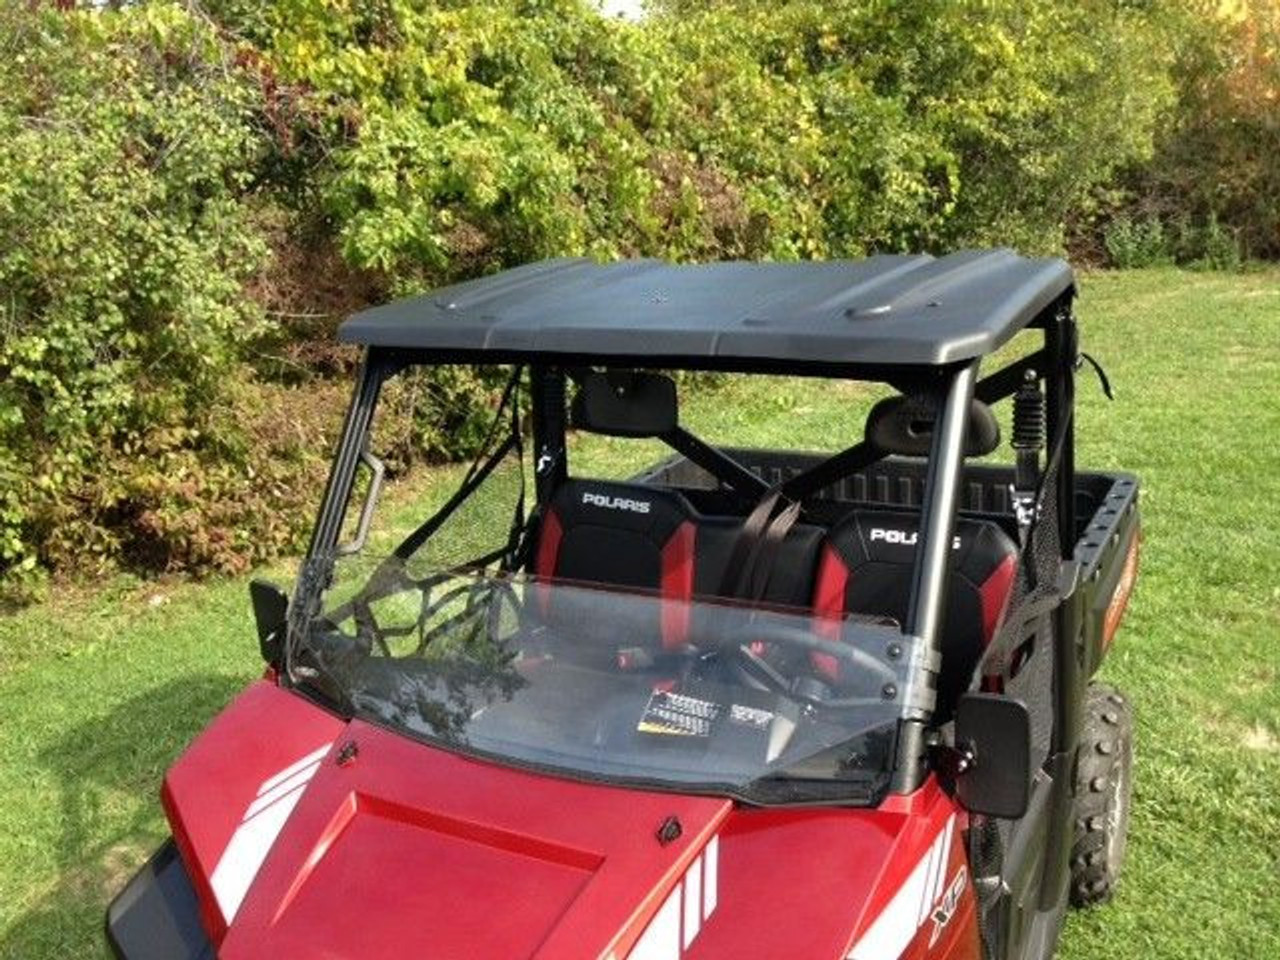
x: 191, y: 196
x: 1150, y: 242
x: 1215, y: 165
x: 1133, y: 244
x: 862, y: 127
x: 464, y: 137
x: 1216, y: 247
x: 126, y: 147
x: 240, y: 489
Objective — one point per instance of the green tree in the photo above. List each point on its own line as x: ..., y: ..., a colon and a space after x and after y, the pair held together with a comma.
x: 127, y: 143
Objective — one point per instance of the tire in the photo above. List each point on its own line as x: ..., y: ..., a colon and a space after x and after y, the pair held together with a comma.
x: 1103, y: 795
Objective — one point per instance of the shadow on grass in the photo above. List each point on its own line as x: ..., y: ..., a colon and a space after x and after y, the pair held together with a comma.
x: 108, y: 773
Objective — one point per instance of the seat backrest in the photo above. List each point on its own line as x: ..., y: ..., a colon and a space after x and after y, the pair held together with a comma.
x: 791, y: 564
x: 652, y: 539
x: 624, y: 535
x: 866, y: 567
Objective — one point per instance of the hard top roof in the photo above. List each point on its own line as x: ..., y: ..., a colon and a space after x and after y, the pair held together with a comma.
x: 885, y: 310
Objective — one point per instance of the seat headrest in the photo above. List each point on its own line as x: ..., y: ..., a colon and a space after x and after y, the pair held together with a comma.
x: 615, y: 503
x: 904, y: 425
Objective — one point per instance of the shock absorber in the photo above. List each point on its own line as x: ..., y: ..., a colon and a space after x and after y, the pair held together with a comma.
x: 1028, y: 440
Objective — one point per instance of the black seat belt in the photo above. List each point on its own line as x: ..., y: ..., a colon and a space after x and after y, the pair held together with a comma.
x: 751, y: 561
x: 750, y: 565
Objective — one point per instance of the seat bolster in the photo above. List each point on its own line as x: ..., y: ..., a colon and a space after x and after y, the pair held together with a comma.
x: 994, y: 593
x: 830, y: 589
x: 677, y: 585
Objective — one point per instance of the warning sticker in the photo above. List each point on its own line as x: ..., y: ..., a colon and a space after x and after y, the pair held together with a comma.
x: 678, y: 715
x: 750, y: 716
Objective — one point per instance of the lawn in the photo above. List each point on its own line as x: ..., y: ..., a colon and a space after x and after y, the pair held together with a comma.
x: 101, y: 688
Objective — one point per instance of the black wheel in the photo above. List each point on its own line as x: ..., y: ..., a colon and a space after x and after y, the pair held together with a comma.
x: 1103, y: 791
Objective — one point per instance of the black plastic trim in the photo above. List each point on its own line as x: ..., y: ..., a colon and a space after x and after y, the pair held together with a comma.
x: 156, y: 916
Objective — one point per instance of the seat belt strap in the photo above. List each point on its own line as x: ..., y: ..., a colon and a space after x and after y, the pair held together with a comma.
x: 750, y: 565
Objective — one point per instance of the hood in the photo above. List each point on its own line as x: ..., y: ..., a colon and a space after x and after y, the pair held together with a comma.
x: 309, y: 836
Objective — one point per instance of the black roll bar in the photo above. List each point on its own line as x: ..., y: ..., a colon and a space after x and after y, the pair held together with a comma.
x: 929, y: 578
x: 938, y: 523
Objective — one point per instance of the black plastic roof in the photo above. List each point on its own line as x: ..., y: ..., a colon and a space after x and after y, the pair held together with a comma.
x: 885, y: 310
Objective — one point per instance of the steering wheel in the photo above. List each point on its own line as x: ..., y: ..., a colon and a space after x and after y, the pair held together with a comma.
x: 758, y: 670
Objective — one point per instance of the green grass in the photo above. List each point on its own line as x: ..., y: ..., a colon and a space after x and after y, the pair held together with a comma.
x: 100, y: 689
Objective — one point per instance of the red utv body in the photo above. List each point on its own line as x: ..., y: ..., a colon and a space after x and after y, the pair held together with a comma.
x: 751, y: 703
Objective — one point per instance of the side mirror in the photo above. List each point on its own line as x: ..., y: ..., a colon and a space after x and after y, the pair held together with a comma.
x: 993, y: 747
x: 271, y: 612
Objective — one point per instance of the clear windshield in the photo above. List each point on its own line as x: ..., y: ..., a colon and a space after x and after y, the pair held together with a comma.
x: 766, y: 705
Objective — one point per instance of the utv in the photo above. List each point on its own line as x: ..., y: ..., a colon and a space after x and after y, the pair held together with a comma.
x: 749, y: 703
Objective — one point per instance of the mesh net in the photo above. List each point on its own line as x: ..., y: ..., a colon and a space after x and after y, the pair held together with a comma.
x: 1020, y: 659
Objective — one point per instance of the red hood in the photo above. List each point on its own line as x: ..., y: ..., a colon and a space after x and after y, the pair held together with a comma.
x: 407, y: 851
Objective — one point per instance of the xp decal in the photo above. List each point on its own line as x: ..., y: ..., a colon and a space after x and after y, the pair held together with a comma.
x: 950, y: 902
x: 911, y: 907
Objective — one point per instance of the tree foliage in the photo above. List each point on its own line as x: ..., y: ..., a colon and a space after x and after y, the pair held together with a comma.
x: 1216, y: 171
x: 125, y: 149
x: 469, y: 136
x: 887, y: 126
x: 163, y: 166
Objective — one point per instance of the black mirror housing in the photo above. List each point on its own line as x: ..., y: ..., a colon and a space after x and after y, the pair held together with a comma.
x: 271, y: 612
x: 626, y: 404
x: 993, y: 733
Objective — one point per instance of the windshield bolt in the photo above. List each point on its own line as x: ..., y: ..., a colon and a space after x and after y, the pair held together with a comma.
x: 670, y: 830
x: 348, y: 753
x: 895, y: 650
x: 889, y: 691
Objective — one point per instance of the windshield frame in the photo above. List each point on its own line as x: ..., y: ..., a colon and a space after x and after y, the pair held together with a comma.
x: 953, y: 387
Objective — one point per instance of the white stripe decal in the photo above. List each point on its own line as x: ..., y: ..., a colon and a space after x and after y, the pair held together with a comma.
x: 893, y: 930
x: 692, y: 903
x: 263, y: 820
x: 661, y: 939
x: 935, y: 877
x: 315, y: 756
x: 682, y: 915
x: 926, y: 886
x: 289, y: 785
x: 711, y: 876
x: 946, y: 858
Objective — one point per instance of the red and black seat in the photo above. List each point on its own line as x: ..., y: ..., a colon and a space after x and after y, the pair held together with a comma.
x: 652, y: 539
x: 622, y: 535
x: 866, y: 567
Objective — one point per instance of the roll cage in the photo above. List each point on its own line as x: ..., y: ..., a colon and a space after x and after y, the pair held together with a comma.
x: 921, y: 325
